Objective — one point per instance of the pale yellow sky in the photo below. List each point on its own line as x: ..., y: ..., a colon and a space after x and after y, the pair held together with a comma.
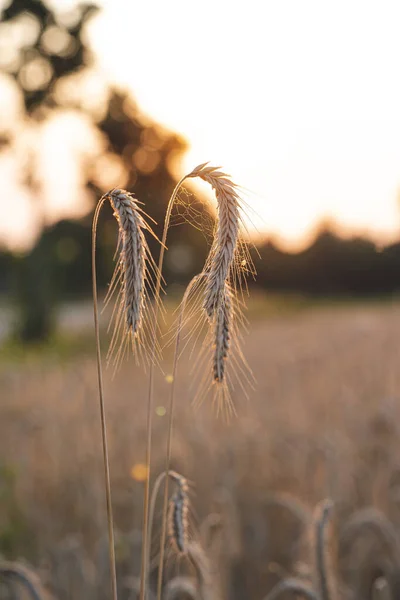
x: 299, y: 101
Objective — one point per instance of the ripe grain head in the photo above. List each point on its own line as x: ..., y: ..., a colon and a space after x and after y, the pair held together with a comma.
x: 228, y: 259
x: 132, y: 282
x: 178, y: 513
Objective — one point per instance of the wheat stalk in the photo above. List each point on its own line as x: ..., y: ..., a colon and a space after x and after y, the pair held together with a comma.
x: 106, y: 462
x: 130, y: 273
x: 133, y: 277
x: 219, y: 265
x: 324, y: 579
x: 192, y: 286
x: 157, y: 291
x: 180, y: 481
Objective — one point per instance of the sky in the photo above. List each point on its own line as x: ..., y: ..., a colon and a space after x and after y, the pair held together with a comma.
x: 298, y: 101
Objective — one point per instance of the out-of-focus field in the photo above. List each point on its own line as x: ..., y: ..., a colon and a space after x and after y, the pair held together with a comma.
x: 323, y: 421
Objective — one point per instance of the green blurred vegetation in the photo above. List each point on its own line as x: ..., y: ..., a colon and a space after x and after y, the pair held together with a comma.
x: 51, y: 60
x: 14, y: 532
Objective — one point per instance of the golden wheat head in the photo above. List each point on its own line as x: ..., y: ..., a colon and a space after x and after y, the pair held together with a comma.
x: 178, y: 512
x: 224, y: 261
x: 133, y: 277
x: 223, y: 326
x: 222, y: 279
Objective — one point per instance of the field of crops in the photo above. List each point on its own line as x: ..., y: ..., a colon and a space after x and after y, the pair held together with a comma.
x: 322, y: 423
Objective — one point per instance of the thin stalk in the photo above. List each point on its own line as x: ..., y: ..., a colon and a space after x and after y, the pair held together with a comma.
x: 146, y: 500
x: 170, y: 429
x: 153, y: 499
x: 323, y: 575
x: 106, y: 462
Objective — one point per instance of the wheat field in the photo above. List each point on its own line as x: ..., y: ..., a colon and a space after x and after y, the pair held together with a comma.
x: 322, y: 422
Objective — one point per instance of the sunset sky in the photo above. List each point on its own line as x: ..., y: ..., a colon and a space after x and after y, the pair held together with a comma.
x: 299, y: 101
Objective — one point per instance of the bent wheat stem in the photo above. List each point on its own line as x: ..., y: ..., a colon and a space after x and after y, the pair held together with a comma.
x: 130, y: 274
x: 146, y: 501
x: 220, y: 264
x: 106, y: 462
x: 324, y: 579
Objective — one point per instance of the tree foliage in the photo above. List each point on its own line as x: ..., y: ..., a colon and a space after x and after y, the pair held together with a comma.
x: 48, y: 66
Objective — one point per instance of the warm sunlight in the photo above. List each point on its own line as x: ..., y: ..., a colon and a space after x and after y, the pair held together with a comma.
x: 185, y: 412
x: 300, y: 101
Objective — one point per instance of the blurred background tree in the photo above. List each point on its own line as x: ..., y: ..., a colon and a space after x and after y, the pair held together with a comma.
x: 46, y: 62
x: 46, y: 58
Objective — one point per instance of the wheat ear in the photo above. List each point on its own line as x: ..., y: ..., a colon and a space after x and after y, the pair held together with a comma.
x: 324, y: 579
x: 179, y: 480
x: 132, y: 259
x: 225, y: 365
x: 296, y: 586
x: 133, y: 277
x: 27, y: 578
x: 225, y: 265
x: 221, y: 260
x: 178, y: 522
x: 223, y: 324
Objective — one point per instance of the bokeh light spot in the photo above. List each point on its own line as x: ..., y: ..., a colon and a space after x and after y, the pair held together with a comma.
x: 36, y: 74
x: 58, y: 41
x: 146, y: 161
x: 139, y: 472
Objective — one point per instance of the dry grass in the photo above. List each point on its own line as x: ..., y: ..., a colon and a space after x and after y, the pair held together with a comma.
x: 323, y: 422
